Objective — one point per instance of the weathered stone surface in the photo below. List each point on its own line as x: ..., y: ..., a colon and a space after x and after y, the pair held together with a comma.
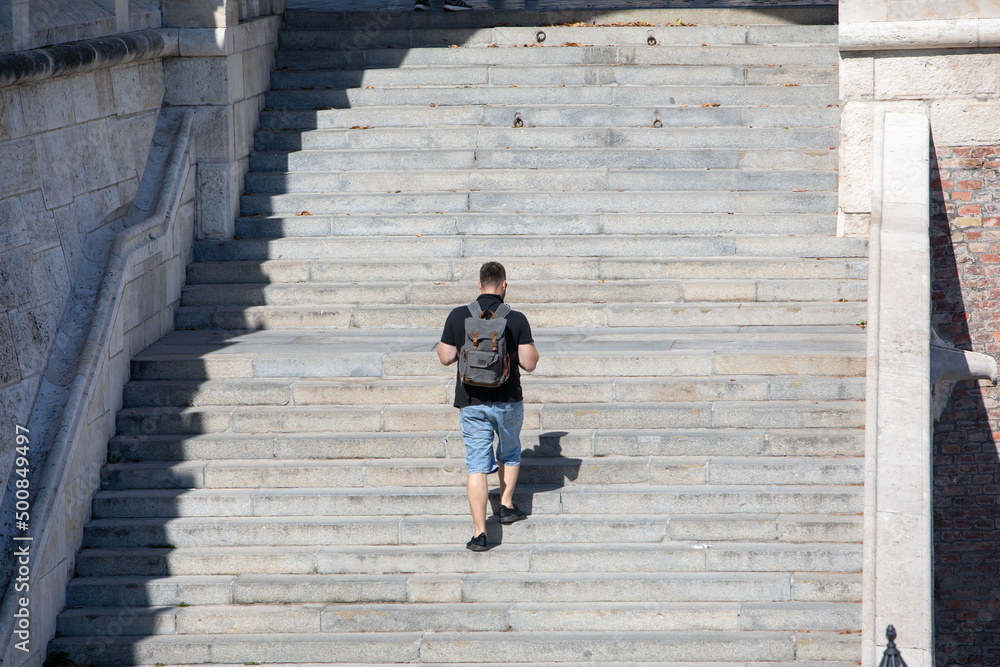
x: 905, y: 76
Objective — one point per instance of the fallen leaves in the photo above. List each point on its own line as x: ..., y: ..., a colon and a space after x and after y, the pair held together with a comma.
x: 712, y: 104
x: 303, y: 213
x: 361, y: 127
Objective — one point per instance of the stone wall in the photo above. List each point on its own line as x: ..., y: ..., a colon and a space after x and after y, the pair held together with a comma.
x: 966, y: 310
x: 72, y: 150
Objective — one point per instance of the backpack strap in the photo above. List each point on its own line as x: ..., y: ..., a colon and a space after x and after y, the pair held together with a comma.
x: 476, y: 309
x: 503, y: 310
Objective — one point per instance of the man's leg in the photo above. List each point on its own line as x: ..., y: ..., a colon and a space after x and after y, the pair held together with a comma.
x: 477, y: 430
x: 478, y: 491
x: 508, y: 480
x: 509, y: 419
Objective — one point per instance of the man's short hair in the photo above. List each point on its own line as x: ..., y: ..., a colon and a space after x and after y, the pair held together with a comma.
x: 491, y: 274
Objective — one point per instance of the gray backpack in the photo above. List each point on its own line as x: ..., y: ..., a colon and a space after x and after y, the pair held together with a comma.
x: 483, y: 360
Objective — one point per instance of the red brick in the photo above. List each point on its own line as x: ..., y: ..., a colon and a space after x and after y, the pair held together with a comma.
x: 969, y: 209
x: 970, y: 185
x: 959, y: 195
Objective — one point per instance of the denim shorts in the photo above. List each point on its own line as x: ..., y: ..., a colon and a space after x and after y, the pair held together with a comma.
x: 479, y: 423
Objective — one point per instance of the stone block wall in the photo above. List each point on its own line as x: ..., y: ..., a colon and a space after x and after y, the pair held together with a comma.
x: 222, y: 75
x: 965, y: 241
x: 72, y: 150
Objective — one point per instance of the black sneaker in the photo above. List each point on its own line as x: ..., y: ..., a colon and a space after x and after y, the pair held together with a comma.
x: 422, y: 6
x: 477, y: 543
x: 456, y: 5
x: 510, y: 514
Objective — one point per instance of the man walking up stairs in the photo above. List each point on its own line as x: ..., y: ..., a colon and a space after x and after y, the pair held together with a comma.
x: 287, y: 481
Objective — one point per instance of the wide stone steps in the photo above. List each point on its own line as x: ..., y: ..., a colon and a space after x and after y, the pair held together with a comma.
x: 803, y: 313
x: 811, y: 19
x: 719, y: 140
x: 563, y: 180
x: 469, y: 617
x: 471, y: 587
x: 542, y: 292
x: 351, y: 58
x: 579, y: 75
x: 442, y: 270
x: 371, y: 531
x: 397, y: 125
x: 429, y: 473
x: 629, y: 96
x: 405, y: 418
x: 674, y: 485
x: 502, y: 201
x: 690, y: 35
x: 286, y: 485
x: 606, y: 246
x: 445, y: 444
x: 550, y: 164
x: 361, y: 391
x: 565, y: 648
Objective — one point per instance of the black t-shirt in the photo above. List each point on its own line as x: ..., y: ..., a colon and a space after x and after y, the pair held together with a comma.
x: 518, y: 332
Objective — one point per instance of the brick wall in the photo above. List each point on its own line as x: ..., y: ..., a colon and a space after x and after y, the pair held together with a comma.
x: 965, y: 242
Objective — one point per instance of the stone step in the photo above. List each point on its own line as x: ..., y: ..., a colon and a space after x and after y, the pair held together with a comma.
x: 571, y: 487
x: 471, y: 224
x: 505, y: 202
x: 512, y: 558
x: 816, y: 96
x: 686, y: 365
x: 608, y: 247
x: 558, y: 315
x: 507, y: 36
x: 353, y: 58
x: 431, y: 473
x: 538, y: 75
x: 815, y: 21
x: 473, y: 587
x: 563, y: 648
x: 406, y: 418
x: 453, y: 125
x: 573, y: 181
x: 619, y: 292
x: 535, y: 443
x: 364, y: 391
x: 569, y: 352
x: 467, y: 269
x: 484, y: 165
x: 467, y: 616
x: 454, y: 530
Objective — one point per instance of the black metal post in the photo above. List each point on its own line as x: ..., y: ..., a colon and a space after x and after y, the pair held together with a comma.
x: 891, y: 657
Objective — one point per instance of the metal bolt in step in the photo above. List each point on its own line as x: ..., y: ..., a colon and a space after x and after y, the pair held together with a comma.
x: 657, y: 122
x: 651, y: 40
x: 518, y: 121
x: 540, y: 36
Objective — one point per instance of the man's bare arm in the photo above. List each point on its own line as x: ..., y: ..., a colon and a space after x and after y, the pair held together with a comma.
x: 448, y: 354
x: 527, y: 357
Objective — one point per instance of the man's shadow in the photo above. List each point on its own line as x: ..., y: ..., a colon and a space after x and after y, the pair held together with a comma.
x: 544, y: 469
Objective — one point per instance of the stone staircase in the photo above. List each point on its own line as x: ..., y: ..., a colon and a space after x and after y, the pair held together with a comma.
x: 287, y: 482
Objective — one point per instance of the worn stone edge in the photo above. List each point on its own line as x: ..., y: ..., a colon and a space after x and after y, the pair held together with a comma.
x: 143, y: 225
x: 87, y: 55
x: 936, y: 34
